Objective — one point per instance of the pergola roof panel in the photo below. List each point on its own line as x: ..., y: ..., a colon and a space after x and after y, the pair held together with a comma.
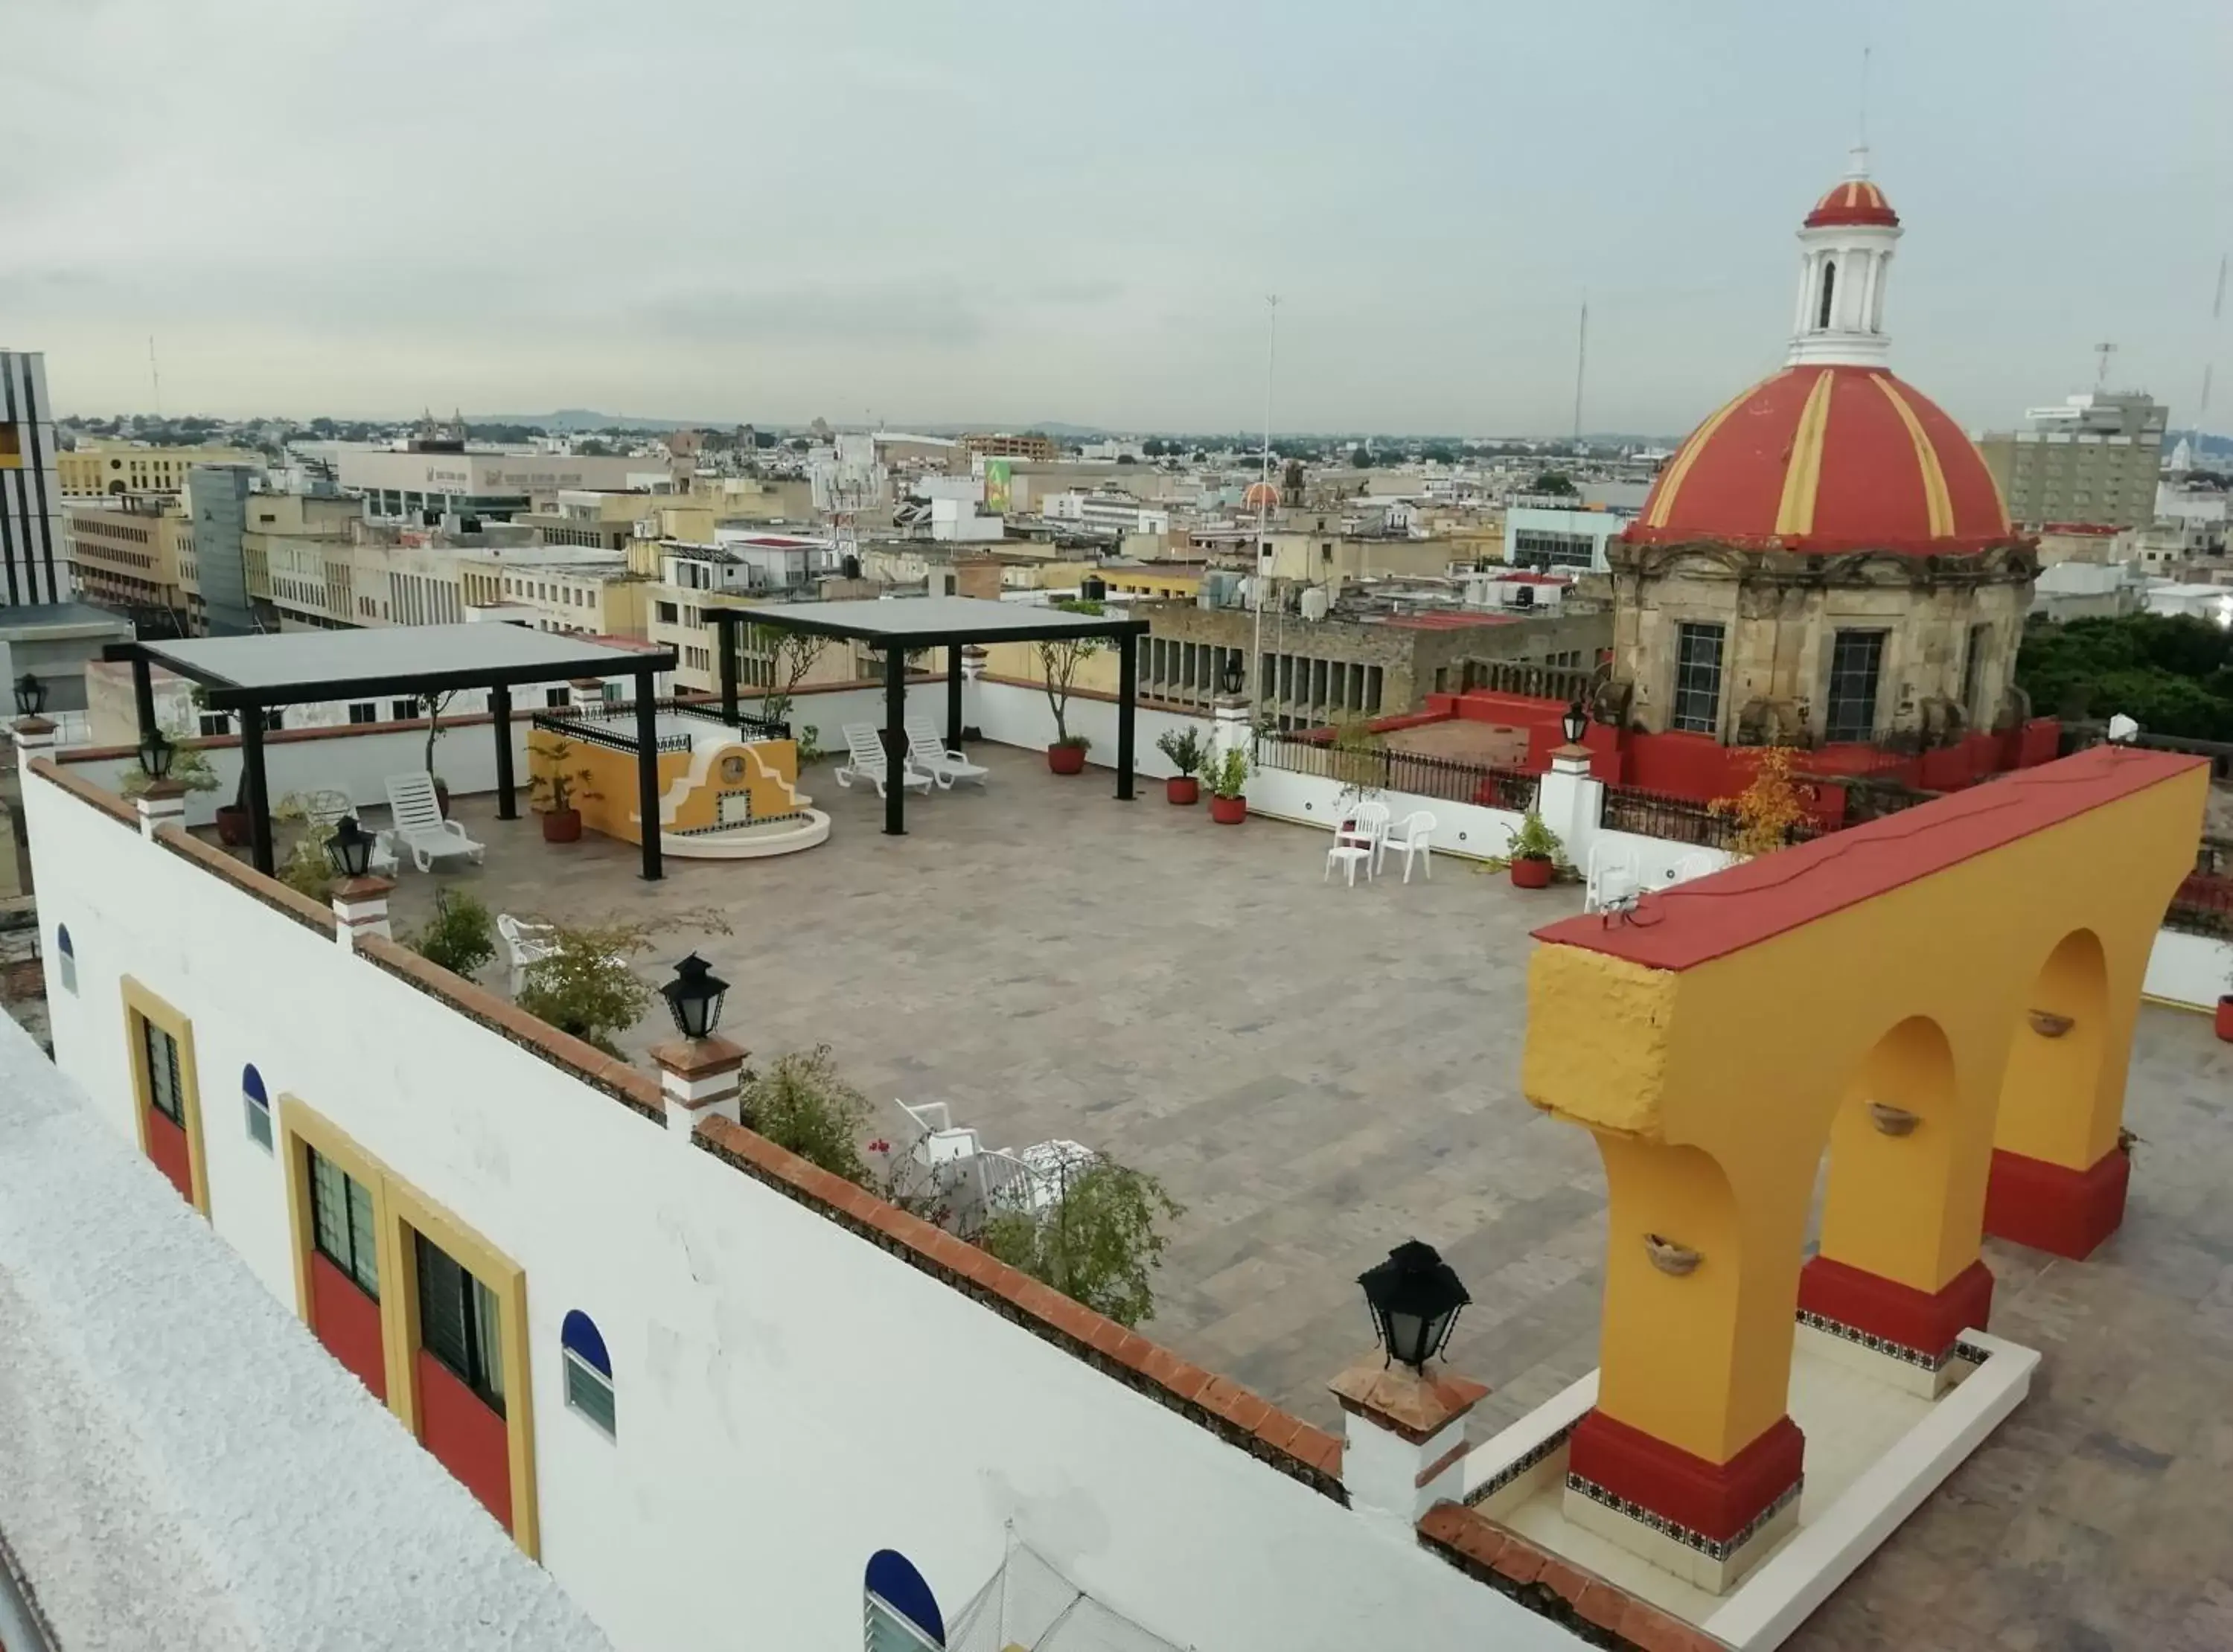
x: 932, y: 621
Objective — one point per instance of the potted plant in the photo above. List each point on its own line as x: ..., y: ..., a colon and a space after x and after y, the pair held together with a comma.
x: 1187, y: 752
x: 2224, y: 1021
x: 190, y: 768
x: 460, y: 936
x: 1058, y: 663
x: 1227, y: 775
x: 1534, y: 853
x: 558, y: 782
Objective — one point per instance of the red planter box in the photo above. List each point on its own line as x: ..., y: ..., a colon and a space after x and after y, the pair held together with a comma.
x: 1228, y: 811
x: 1066, y: 759
x: 1183, y: 789
x: 2225, y: 1017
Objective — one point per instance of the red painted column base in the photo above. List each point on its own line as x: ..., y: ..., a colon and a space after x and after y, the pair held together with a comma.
x: 1720, y: 1502
x: 1867, y: 1308
x: 2051, y: 1207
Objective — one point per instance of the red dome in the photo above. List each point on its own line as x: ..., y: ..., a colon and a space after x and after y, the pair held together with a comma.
x: 1261, y: 496
x: 1828, y: 459
x: 1855, y: 201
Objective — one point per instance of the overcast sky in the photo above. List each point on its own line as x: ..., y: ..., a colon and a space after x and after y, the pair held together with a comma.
x: 918, y: 212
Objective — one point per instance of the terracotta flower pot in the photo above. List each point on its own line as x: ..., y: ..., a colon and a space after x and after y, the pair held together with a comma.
x: 562, y: 826
x: 1531, y: 875
x: 1183, y: 789
x: 1066, y: 759
x: 233, y: 828
x: 1228, y: 811
x: 2225, y: 1017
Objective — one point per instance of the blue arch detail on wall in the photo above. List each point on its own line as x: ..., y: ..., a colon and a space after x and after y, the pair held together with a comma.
x: 62, y: 941
x: 893, y: 1579
x: 579, y: 1335
x: 251, y: 1085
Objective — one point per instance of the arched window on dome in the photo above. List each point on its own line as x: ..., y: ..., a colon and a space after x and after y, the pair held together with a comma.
x: 256, y: 1103
x: 1829, y: 292
x: 65, y: 959
x: 588, y: 1372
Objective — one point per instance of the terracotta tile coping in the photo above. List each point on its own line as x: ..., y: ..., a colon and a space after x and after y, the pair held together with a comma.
x: 1583, y: 1602
x: 1275, y: 1437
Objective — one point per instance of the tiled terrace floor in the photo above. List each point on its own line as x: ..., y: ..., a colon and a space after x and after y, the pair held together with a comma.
x: 1318, y: 1073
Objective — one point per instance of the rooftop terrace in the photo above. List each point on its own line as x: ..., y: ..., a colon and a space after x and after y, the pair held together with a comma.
x: 1318, y: 1073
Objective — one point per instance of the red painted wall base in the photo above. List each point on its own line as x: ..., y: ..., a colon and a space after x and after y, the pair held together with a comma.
x: 167, y: 1146
x: 2051, y: 1207
x: 466, y: 1437
x: 1716, y: 1500
x: 1927, y: 1322
x: 348, y: 1322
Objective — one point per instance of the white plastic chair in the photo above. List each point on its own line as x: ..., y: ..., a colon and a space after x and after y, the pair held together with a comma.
x: 1614, y: 874
x: 1367, y: 824
x: 1409, y: 836
x: 932, y: 755
x: 1349, y: 857
x: 417, y: 824
x: 525, y: 943
x: 865, y: 760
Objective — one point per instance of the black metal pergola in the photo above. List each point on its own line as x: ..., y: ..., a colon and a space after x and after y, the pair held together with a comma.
x: 251, y: 676
x: 902, y: 625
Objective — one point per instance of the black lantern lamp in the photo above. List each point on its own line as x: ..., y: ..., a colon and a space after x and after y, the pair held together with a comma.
x: 30, y: 695
x: 155, y: 754
x: 1575, y: 723
x: 695, y: 995
x: 350, y: 849
x: 1229, y: 678
x: 1414, y: 1297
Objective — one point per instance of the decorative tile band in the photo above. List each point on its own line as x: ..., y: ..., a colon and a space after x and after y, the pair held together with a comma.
x: 708, y: 831
x: 1519, y: 1465
x: 1683, y: 1534
x: 1877, y: 1345
x: 1970, y: 1352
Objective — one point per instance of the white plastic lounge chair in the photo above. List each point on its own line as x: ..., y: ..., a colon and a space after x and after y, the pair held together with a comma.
x: 927, y: 752
x: 327, y: 810
x: 865, y: 760
x: 419, y: 826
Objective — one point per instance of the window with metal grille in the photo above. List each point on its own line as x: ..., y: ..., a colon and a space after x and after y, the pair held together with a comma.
x: 459, y: 1322
x: 341, y: 1222
x: 66, y: 958
x: 364, y: 711
x: 166, y: 1092
x: 1856, y: 671
x: 588, y: 1370
x: 1698, y: 678
x: 256, y: 1102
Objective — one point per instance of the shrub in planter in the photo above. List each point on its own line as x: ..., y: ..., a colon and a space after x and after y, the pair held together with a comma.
x: 1187, y: 752
x: 1067, y: 755
x: 552, y: 791
x: 1534, y: 855
x: 460, y: 936
x: 1100, y: 1243
x: 190, y: 768
x: 1228, y: 778
x: 586, y: 986
x: 1059, y: 664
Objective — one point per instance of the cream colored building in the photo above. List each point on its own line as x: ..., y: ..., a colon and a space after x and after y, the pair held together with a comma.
x: 134, y: 553
x: 559, y: 588
x: 100, y: 470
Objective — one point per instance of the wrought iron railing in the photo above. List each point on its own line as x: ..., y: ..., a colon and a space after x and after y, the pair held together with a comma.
x: 1658, y: 814
x: 602, y: 731
x: 2203, y: 906
x: 1385, y: 769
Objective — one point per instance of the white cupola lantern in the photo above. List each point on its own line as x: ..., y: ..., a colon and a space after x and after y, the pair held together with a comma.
x: 1846, y: 246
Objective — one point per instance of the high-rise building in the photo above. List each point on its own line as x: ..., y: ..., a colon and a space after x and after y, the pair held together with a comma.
x: 2093, y: 459
x: 218, y: 498
x: 36, y: 566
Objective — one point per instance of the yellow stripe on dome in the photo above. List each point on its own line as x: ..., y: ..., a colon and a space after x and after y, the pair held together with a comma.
x: 1802, y: 475
x: 1938, y: 502
x: 1670, y: 482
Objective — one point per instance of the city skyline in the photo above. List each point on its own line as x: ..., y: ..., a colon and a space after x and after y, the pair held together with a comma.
x: 907, y: 217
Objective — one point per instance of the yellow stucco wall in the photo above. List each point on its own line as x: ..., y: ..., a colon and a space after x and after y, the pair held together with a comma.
x: 1714, y: 1090
x: 768, y: 769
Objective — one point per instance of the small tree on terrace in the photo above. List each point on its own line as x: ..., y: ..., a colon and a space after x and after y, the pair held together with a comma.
x: 1058, y: 663
x: 792, y: 656
x: 1766, y: 811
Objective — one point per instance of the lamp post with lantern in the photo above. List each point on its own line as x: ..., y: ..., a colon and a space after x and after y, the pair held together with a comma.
x: 701, y: 1074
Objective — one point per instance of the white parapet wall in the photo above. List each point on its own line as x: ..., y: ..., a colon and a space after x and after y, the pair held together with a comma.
x: 791, y: 1397
x: 1468, y: 829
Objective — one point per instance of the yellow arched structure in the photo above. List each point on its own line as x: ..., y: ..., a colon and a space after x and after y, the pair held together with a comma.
x: 1872, y: 992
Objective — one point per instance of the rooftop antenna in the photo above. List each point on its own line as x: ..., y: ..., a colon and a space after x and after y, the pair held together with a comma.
x: 155, y: 373
x: 1263, y: 509
x: 2101, y: 373
x: 1860, y: 156
x: 1581, y: 358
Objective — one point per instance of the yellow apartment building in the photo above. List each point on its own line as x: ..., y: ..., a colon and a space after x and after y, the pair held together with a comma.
x: 107, y: 469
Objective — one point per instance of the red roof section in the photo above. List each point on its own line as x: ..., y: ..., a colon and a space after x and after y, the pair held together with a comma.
x: 1828, y: 459
x: 1694, y: 923
x: 1852, y: 200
